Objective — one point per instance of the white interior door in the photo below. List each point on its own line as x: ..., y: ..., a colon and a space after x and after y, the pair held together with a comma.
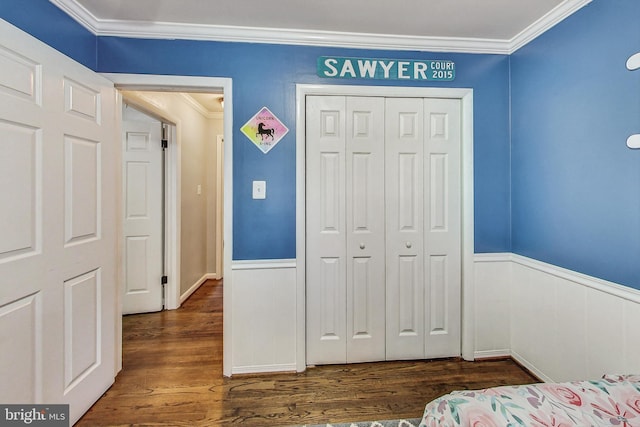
x: 58, y: 171
x: 142, y: 171
x: 383, y: 228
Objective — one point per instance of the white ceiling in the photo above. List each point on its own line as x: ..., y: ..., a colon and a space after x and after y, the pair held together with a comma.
x: 495, y: 26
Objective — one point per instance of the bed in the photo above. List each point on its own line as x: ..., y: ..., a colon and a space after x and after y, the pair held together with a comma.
x: 613, y: 400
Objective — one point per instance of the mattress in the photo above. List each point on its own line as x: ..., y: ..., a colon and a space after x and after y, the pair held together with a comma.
x: 613, y: 400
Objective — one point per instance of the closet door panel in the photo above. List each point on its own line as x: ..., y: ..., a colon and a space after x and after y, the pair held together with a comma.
x: 404, y: 163
x: 365, y: 229
x: 442, y: 207
x: 326, y: 230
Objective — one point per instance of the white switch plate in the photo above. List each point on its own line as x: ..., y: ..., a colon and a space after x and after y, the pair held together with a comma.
x: 259, y: 189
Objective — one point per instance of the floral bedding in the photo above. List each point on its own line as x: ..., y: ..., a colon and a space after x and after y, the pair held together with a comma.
x: 613, y: 400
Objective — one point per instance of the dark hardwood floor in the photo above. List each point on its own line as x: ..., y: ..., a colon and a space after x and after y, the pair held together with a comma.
x: 172, y: 376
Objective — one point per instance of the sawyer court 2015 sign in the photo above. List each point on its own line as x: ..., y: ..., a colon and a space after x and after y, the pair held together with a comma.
x: 386, y: 69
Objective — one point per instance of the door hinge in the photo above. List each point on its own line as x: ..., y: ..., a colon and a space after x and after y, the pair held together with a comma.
x: 165, y: 136
x: 163, y: 282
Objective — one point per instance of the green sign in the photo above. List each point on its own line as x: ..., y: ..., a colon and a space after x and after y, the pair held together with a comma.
x: 386, y: 69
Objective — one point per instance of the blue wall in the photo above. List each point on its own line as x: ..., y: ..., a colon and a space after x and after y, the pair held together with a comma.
x: 562, y: 188
x: 266, y: 75
x: 46, y: 22
x: 575, y: 184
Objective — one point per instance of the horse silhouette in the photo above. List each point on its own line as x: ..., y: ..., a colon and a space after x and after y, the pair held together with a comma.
x: 265, y: 132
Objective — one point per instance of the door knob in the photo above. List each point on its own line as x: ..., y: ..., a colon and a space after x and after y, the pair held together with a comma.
x: 361, y: 245
x: 408, y: 244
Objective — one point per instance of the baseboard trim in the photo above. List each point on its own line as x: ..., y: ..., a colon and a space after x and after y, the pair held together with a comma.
x: 256, y: 369
x: 492, y: 354
x: 195, y: 286
x: 531, y: 367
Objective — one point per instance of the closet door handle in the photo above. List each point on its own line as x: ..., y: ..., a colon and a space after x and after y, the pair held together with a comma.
x: 362, y: 246
x: 408, y: 245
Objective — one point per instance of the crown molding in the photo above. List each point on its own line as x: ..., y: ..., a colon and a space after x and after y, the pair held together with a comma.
x: 79, y: 13
x: 166, y: 30
x: 199, y: 108
x: 551, y: 19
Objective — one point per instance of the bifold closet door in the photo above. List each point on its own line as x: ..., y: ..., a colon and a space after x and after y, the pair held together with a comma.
x: 383, y: 195
x: 345, y: 229
x: 423, y: 227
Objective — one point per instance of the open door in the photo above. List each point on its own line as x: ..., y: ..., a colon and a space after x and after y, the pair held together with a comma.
x: 58, y: 283
x: 143, y: 212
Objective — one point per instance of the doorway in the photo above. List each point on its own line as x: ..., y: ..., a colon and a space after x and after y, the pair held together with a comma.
x: 174, y: 188
x: 465, y: 98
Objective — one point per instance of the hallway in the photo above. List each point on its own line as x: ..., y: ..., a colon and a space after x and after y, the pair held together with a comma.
x: 172, y: 375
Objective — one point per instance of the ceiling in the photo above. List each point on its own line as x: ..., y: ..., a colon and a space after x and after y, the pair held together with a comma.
x: 209, y: 104
x: 473, y: 26
x: 495, y: 26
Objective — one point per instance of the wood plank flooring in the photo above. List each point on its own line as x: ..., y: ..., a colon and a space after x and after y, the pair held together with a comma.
x: 172, y: 375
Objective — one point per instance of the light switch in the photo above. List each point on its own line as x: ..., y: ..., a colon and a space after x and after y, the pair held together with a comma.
x: 259, y: 189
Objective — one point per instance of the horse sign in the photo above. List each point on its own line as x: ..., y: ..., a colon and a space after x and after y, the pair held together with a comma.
x: 264, y: 129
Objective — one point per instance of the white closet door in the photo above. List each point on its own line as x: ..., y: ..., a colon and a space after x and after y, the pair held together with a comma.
x: 442, y: 207
x: 326, y: 229
x: 383, y: 228
x: 365, y: 195
x: 404, y: 141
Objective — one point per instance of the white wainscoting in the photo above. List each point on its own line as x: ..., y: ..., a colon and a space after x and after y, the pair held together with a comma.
x: 263, y: 316
x: 560, y: 324
x: 492, y: 282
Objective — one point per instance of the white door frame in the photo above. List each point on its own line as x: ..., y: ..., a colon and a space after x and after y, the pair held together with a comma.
x: 187, y: 84
x: 466, y: 98
x: 219, y: 203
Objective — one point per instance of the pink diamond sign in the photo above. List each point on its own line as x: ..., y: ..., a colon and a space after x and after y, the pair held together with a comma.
x: 264, y: 129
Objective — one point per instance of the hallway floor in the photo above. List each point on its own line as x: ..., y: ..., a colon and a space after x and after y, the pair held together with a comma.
x: 172, y: 375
